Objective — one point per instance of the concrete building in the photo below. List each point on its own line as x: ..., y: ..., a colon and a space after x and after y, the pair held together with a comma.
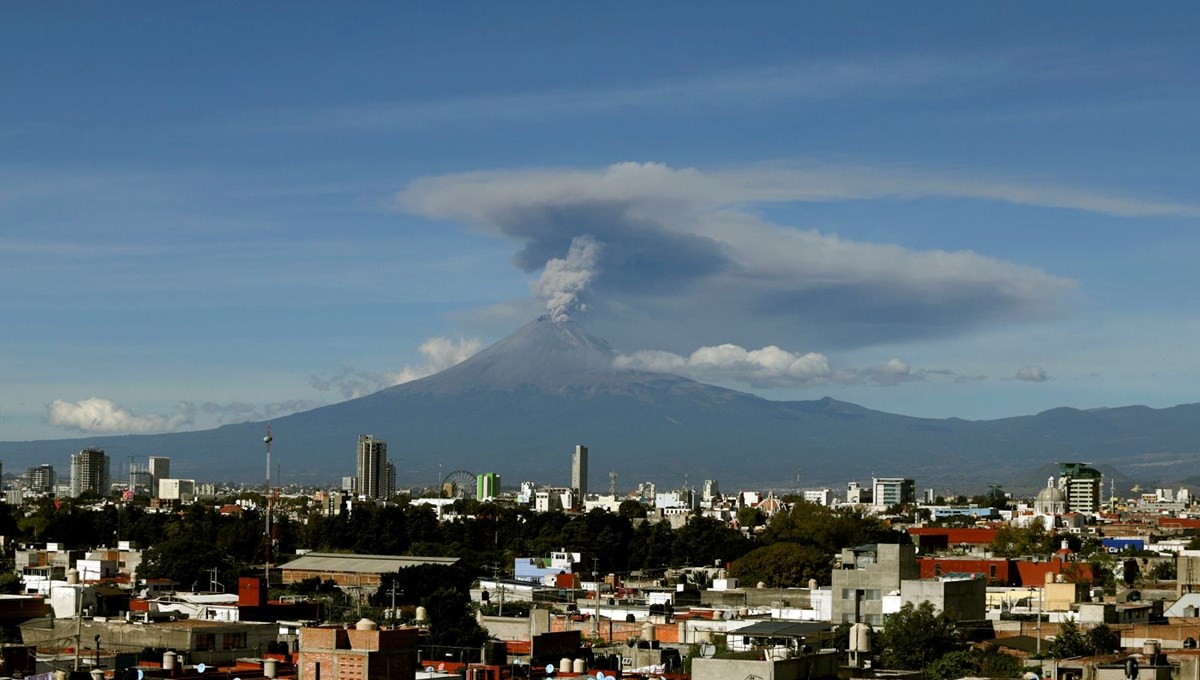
x: 41, y: 479
x: 360, y: 653
x: 579, y: 472
x: 710, y: 490
x: 857, y: 494
x: 964, y: 599
x: 889, y: 491
x: 90, y: 471
x: 865, y: 575
x: 487, y: 486
x: 160, y: 468
x: 141, y: 482
x: 371, y: 468
x: 1081, y: 484
x: 210, y: 642
x: 352, y: 570
x: 182, y: 490
x: 819, y: 496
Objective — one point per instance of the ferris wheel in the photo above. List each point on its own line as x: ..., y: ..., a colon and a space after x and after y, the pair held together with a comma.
x: 459, y: 484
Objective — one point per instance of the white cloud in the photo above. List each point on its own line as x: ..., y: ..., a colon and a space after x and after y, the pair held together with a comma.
x: 681, y: 253
x: 439, y: 354
x: 1032, y: 374
x: 104, y: 416
x: 768, y: 367
x: 746, y: 88
x: 96, y: 414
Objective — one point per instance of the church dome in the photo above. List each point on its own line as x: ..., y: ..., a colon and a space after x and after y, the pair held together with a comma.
x: 1051, y: 494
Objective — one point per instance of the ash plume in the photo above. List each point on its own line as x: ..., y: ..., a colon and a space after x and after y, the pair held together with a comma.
x: 563, y: 279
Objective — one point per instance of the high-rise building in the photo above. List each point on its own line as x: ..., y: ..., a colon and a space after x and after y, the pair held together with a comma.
x: 710, y: 490
x: 372, y: 467
x: 889, y: 491
x: 160, y: 469
x: 90, y: 472
x: 141, y: 482
x: 487, y: 485
x: 41, y: 478
x: 1081, y: 484
x: 579, y: 472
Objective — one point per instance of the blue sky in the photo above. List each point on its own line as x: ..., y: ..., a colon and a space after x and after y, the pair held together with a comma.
x: 211, y: 212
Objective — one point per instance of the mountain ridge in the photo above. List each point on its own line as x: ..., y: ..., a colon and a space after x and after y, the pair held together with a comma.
x: 519, y: 406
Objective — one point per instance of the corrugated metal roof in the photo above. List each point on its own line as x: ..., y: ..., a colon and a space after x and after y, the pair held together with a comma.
x: 367, y: 564
x: 782, y: 629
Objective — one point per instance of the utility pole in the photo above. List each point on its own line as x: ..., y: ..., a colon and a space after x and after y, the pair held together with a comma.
x: 596, y: 581
x: 78, y: 621
x: 393, y: 590
x: 267, y: 534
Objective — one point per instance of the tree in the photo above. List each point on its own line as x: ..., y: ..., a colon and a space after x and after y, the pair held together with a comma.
x: 915, y: 636
x: 951, y: 666
x: 1013, y: 541
x: 1164, y: 570
x: 993, y: 663
x: 749, y: 517
x: 631, y: 509
x: 1103, y: 640
x: 1069, y: 641
x: 782, y: 565
x: 450, y: 621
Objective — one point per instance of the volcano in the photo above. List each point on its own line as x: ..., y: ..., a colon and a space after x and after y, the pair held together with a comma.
x: 519, y: 407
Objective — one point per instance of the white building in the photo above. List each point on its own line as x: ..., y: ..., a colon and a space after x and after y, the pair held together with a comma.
x: 182, y: 490
x: 819, y: 496
x: 579, y: 472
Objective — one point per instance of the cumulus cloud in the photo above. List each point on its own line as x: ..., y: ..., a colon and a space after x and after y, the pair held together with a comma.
x: 100, y: 415
x: 104, y: 416
x: 1032, y: 374
x: 769, y: 367
x: 679, y: 254
x: 439, y: 354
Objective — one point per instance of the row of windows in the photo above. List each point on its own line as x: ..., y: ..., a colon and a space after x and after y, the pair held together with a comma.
x: 208, y: 641
x: 867, y: 594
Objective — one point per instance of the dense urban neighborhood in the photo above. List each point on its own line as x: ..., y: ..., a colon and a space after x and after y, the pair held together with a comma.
x: 154, y: 576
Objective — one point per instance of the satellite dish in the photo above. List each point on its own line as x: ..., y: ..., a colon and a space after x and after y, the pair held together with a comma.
x: 549, y: 669
x: 708, y: 650
x: 200, y: 668
x: 601, y: 676
x: 429, y: 669
x: 727, y: 614
x: 141, y: 675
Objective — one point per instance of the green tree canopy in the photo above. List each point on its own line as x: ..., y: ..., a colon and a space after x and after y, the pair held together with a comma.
x: 782, y: 565
x: 915, y: 636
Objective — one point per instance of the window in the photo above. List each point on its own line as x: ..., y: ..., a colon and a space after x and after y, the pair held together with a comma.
x: 233, y: 641
x: 992, y: 572
x: 206, y: 641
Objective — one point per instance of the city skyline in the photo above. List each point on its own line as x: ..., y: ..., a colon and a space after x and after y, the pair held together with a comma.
x: 222, y: 214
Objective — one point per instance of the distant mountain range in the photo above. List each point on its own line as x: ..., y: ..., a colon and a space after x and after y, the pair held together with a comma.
x: 520, y: 406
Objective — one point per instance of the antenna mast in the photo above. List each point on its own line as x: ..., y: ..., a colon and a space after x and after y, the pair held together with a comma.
x: 267, y: 534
